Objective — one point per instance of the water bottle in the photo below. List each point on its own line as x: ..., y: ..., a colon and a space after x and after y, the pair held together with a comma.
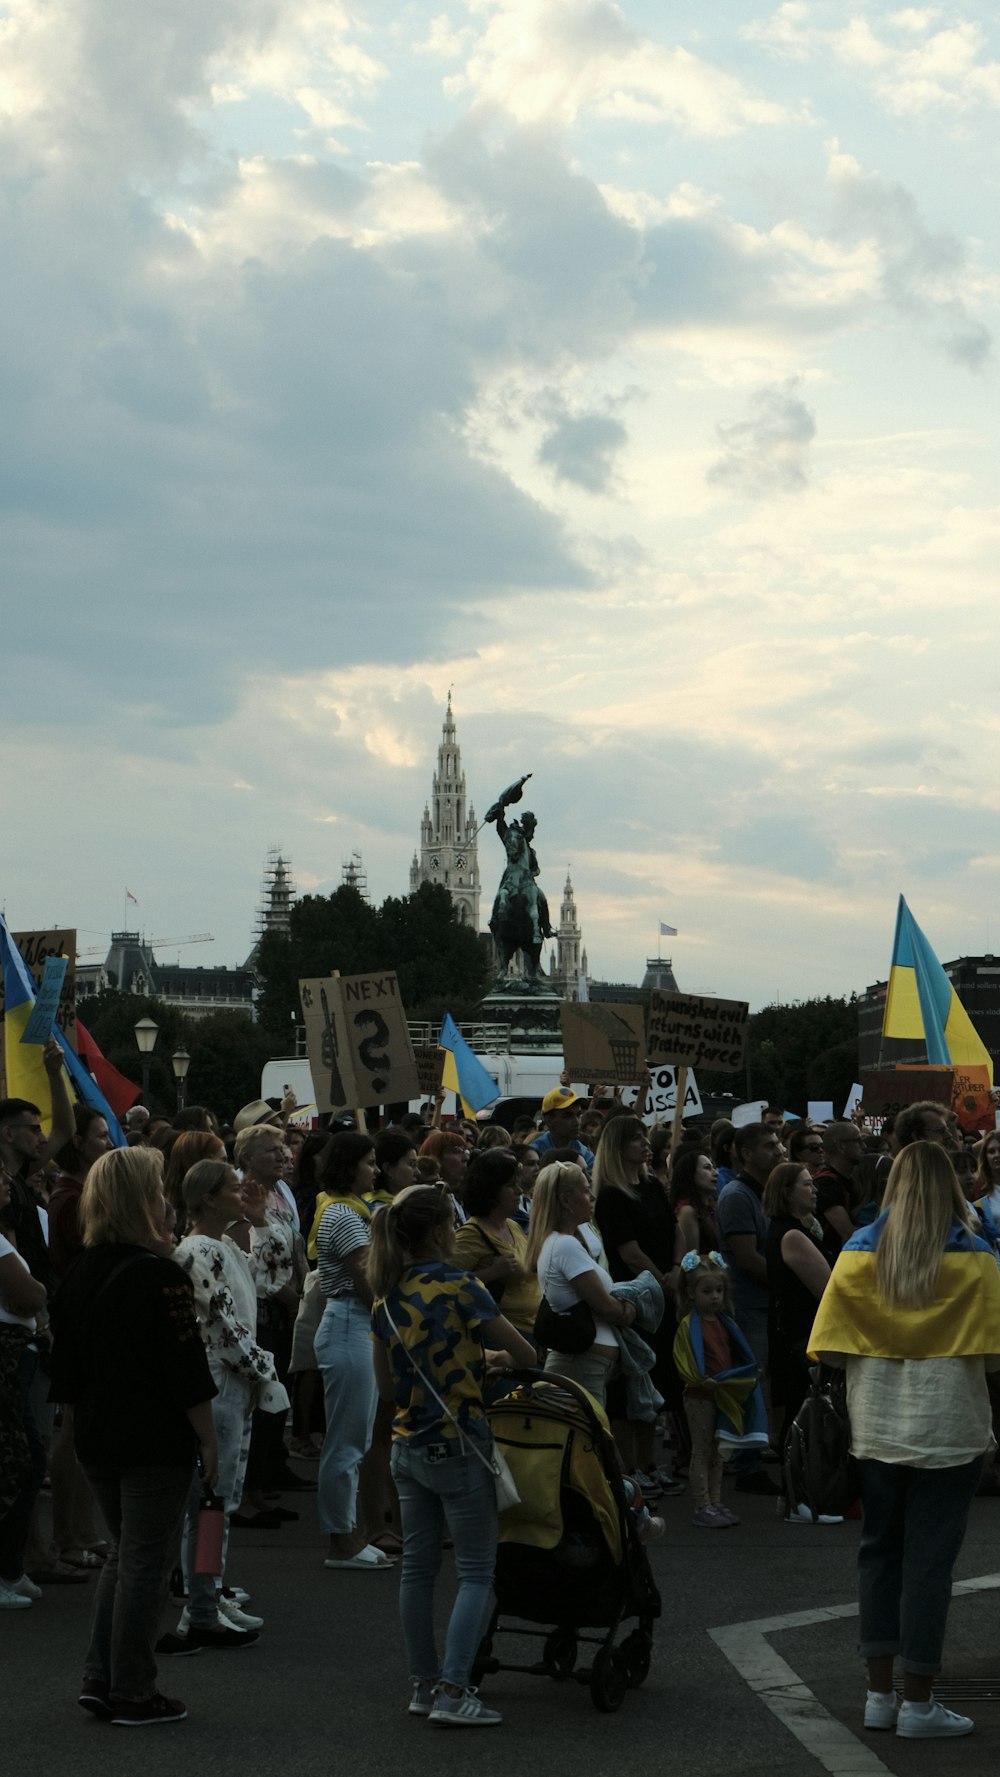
x: 211, y: 1528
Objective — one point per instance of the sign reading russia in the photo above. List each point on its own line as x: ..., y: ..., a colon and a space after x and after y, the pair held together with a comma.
x: 697, y: 1030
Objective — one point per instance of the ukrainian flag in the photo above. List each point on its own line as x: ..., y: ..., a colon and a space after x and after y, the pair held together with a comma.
x: 921, y: 1001
x: 961, y: 1320
x: 23, y: 1065
x: 463, y: 1071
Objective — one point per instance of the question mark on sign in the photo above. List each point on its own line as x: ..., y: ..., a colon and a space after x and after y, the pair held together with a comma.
x: 371, y: 1052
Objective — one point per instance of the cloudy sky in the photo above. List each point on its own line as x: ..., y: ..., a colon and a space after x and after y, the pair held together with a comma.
x: 631, y: 369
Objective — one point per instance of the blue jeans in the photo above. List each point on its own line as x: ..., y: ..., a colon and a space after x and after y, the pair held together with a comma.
x: 914, y: 1524
x: 344, y: 1354
x: 143, y: 1509
x: 438, y: 1486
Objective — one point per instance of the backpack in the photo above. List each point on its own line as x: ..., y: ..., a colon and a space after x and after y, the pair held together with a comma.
x: 820, y: 1472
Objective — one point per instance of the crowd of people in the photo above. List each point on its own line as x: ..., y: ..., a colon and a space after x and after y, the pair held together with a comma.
x: 185, y: 1317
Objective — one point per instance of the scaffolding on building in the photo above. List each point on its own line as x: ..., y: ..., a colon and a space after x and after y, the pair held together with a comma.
x: 354, y: 875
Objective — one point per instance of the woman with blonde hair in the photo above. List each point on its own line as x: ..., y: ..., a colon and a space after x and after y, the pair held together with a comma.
x: 912, y: 1310
x: 566, y: 1253
x: 128, y: 1357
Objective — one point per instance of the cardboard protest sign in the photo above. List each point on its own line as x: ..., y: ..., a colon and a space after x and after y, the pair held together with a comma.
x: 661, y: 1099
x: 696, y: 1030
x: 358, y: 1040
x: 430, y: 1067
x: 602, y: 1044
x: 39, y: 1026
x: 972, y: 1097
x: 36, y: 948
x: 892, y: 1089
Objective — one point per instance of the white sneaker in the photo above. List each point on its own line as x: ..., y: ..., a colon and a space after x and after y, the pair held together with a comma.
x: 881, y: 1709
x: 931, y: 1721
x: 802, y: 1515
x: 239, y: 1619
x: 11, y: 1599
x: 465, y: 1711
x: 25, y: 1586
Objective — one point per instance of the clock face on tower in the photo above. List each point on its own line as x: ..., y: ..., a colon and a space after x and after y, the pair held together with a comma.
x: 459, y: 863
x: 435, y: 864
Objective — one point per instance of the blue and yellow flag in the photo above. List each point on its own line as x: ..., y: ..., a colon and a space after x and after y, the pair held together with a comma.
x: 463, y: 1071
x: 921, y: 1001
x: 962, y: 1319
x: 23, y: 1064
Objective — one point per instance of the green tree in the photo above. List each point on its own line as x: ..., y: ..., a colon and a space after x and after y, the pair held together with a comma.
x: 440, y: 963
x: 228, y: 1052
x: 111, y: 1018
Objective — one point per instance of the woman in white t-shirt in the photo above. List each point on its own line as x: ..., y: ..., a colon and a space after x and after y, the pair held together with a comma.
x: 22, y: 1462
x: 566, y: 1252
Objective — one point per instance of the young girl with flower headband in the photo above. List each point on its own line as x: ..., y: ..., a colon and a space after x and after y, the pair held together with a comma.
x: 722, y: 1397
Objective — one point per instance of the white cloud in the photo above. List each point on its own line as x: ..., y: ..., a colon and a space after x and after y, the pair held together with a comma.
x: 914, y: 62
x: 766, y: 453
x: 553, y: 60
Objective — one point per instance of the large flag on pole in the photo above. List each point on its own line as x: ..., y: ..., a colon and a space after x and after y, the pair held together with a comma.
x: 23, y: 1064
x: 921, y: 1001
x: 463, y: 1071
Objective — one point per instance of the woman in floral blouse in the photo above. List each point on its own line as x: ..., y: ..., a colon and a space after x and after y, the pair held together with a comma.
x: 225, y: 1293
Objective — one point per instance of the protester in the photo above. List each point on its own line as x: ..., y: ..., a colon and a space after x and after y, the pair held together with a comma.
x: 260, y: 1152
x: 395, y: 1166
x: 450, y: 1154
x: 129, y: 1358
x: 797, y: 1274
x: 224, y: 1282
x: 722, y: 1149
x: 805, y: 1144
x: 343, y: 1348
x: 430, y: 1321
x: 22, y: 1454
x: 843, y: 1146
x: 640, y: 1233
x: 565, y: 1252
x: 491, y: 1244
x: 74, y: 1529
x: 528, y: 1167
x: 561, y: 1110
x: 190, y: 1146
x: 912, y: 1309
x: 692, y: 1197
x: 708, y: 1349
x: 743, y: 1228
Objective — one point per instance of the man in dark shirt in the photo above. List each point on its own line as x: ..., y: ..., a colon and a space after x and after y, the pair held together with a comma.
x: 743, y: 1227
x: 843, y: 1146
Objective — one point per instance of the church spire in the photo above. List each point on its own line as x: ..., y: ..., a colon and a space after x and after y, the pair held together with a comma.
x: 448, y: 848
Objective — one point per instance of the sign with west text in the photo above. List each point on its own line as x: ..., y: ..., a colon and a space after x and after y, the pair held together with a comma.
x: 697, y: 1030
x: 603, y: 1045
x: 360, y: 1053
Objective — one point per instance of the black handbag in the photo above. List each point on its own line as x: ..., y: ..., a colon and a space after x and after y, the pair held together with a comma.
x: 569, y: 1333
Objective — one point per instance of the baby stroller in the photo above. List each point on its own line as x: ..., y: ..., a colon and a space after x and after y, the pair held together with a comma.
x: 569, y: 1555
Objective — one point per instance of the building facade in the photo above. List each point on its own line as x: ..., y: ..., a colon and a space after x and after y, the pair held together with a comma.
x: 448, y: 852
x: 569, y: 963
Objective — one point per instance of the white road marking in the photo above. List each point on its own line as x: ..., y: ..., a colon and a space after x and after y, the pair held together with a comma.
x: 837, y: 1749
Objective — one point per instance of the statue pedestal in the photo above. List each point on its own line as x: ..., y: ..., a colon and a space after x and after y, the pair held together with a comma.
x: 523, y: 1020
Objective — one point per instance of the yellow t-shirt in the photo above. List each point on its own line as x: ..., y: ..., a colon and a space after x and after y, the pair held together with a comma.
x: 475, y: 1249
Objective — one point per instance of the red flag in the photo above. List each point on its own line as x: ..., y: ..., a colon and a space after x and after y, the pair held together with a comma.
x: 120, y: 1093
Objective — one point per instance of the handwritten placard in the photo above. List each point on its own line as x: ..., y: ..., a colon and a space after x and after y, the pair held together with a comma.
x: 697, y: 1030
x: 358, y: 1039
x: 43, y: 1016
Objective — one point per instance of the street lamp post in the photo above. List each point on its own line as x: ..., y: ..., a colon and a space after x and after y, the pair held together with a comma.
x: 180, y: 1061
x: 146, y: 1033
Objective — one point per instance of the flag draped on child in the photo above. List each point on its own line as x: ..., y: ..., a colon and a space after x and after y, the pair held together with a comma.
x: 463, y: 1071
x: 740, y: 1413
x: 23, y: 1064
x: 921, y: 1002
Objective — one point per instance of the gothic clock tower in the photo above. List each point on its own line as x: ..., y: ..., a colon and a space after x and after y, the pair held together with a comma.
x: 448, y: 848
